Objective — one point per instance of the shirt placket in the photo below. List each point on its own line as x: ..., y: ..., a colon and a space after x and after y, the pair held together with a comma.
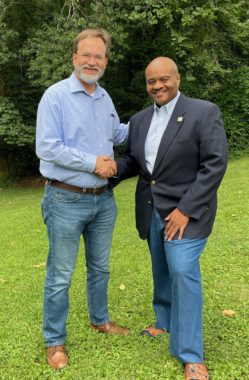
x: 159, y: 127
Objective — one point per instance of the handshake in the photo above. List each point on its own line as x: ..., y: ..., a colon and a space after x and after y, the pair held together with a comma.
x: 105, y: 167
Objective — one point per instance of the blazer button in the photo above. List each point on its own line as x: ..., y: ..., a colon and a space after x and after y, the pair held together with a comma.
x: 150, y: 203
x: 153, y: 182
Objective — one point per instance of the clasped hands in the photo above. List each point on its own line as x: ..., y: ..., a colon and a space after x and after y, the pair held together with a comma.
x: 105, y: 167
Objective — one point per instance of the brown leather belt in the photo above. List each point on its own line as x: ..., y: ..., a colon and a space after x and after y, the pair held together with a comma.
x: 82, y: 190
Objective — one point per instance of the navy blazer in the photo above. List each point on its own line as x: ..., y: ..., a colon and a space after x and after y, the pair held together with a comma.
x: 190, y: 164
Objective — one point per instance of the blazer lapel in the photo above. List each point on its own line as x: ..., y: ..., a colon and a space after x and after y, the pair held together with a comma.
x: 171, y: 131
x: 145, y: 125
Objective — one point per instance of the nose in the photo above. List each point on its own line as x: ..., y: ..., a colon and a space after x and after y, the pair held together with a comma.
x: 157, y: 85
x: 92, y: 60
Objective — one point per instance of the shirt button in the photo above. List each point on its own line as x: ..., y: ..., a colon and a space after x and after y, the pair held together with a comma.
x: 153, y: 182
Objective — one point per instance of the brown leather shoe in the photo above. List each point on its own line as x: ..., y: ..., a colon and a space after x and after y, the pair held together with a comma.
x: 111, y: 328
x: 57, y: 357
x: 196, y: 371
x: 153, y: 332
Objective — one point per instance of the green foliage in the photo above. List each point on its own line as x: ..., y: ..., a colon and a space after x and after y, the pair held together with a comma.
x: 95, y: 356
x: 208, y: 39
x: 49, y: 62
x: 6, y: 37
x: 233, y: 100
x: 12, y: 130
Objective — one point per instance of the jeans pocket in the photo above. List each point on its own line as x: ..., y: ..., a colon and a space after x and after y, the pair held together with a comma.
x: 65, y: 196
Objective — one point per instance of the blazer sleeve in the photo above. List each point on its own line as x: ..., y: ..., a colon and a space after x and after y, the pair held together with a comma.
x: 213, y: 154
x: 127, y: 165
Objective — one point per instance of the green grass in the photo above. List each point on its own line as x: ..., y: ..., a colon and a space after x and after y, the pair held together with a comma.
x: 225, y: 267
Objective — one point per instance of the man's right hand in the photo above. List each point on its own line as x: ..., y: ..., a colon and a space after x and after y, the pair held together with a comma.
x: 105, y: 167
x: 177, y: 222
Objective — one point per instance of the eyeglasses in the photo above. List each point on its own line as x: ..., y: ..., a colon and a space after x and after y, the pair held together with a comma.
x: 88, y: 56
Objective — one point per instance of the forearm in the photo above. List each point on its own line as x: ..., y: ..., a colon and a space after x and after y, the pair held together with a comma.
x: 67, y: 157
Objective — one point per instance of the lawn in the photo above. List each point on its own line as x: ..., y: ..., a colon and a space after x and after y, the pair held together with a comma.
x: 225, y: 267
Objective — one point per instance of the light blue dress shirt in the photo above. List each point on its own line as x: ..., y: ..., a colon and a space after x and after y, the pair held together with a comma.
x: 73, y: 128
x: 157, y: 128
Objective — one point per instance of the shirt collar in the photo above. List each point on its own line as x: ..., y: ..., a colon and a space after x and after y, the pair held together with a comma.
x: 76, y: 86
x: 169, y: 106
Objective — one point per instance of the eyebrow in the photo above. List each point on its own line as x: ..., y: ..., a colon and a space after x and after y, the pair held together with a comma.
x: 161, y: 78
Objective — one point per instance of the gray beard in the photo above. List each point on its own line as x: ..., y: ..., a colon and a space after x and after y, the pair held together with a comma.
x: 91, y: 79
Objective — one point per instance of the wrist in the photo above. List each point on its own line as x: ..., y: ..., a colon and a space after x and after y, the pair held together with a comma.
x: 183, y: 213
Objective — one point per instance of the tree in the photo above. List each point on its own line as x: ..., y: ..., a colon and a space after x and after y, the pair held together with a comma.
x: 208, y: 39
x: 18, y: 96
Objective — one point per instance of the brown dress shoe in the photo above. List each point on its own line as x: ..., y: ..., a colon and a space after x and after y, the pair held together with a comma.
x: 196, y: 371
x: 153, y: 332
x: 111, y: 328
x: 57, y: 357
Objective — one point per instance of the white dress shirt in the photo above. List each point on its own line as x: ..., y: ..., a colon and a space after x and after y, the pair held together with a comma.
x: 157, y: 128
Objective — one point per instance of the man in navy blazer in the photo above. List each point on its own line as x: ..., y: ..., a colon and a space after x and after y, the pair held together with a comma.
x: 178, y: 148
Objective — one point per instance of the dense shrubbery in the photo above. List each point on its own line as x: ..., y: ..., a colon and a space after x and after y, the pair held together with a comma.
x: 234, y: 101
x: 13, y: 131
x: 210, y: 43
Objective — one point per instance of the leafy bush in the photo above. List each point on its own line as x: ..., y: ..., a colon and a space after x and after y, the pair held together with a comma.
x: 17, y: 157
x: 233, y: 101
x: 12, y: 129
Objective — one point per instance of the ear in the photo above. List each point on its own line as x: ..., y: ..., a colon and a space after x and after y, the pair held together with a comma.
x: 179, y: 79
x: 74, y: 56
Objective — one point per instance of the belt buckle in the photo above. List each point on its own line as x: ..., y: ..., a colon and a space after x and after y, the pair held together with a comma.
x: 84, y: 190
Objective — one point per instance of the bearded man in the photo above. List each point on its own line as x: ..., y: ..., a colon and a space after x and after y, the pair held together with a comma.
x: 77, y: 126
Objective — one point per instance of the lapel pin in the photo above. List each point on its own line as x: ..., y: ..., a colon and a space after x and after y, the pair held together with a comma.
x: 180, y: 119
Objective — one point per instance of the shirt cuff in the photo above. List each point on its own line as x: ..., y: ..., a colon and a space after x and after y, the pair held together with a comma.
x: 89, y: 162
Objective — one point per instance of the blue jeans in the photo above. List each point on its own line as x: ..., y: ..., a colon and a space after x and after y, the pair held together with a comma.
x: 68, y: 215
x: 177, y: 297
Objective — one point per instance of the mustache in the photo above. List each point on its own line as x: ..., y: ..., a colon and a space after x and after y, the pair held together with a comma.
x: 90, y: 68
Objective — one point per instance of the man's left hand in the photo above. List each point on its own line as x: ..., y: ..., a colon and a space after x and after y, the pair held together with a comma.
x: 177, y: 222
